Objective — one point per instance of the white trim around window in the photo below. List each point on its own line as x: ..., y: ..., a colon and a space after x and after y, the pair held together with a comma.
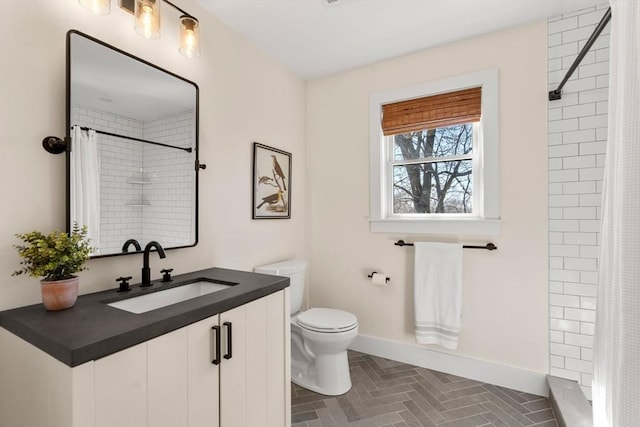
x: 486, y: 217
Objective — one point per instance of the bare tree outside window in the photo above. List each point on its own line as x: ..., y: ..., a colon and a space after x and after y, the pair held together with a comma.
x: 432, y: 170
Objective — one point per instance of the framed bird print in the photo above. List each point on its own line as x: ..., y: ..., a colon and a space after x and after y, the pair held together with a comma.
x: 271, y: 182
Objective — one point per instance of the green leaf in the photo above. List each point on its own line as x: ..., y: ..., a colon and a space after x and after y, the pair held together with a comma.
x: 54, y: 256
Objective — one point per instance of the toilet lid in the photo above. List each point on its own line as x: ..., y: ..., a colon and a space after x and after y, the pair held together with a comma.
x: 327, y: 320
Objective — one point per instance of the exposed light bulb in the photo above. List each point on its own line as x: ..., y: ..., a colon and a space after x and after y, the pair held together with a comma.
x: 189, y: 37
x: 190, y: 42
x: 147, y: 18
x: 147, y: 21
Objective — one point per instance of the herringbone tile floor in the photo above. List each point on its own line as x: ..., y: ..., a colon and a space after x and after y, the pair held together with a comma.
x: 393, y: 394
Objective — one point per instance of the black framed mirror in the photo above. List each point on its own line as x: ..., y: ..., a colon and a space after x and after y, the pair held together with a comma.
x: 132, y: 166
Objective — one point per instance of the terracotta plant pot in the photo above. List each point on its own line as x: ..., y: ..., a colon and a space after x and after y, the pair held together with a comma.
x: 59, y: 294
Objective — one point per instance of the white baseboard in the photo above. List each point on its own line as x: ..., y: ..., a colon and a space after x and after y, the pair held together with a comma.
x: 479, y: 370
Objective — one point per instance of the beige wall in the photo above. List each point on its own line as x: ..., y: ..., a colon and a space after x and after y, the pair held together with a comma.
x: 244, y: 97
x: 505, y: 292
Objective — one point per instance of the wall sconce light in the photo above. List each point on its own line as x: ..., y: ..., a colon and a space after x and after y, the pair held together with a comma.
x: 189, y: 36
x: 147, y: 18
x: 99, y: 7
x: 147, y: 21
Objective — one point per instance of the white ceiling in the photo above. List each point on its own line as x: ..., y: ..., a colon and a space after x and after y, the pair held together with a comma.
x: 315, y: 38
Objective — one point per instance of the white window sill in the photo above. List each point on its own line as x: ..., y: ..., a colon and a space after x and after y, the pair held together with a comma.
x: 466, y: 226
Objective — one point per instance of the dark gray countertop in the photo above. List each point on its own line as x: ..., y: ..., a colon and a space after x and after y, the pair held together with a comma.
x: 91, y: 329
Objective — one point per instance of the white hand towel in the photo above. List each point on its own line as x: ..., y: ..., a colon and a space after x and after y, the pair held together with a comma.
x: 438, y: 293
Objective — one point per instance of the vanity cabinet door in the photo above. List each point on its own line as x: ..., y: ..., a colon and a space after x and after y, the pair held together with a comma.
x: 255, y: 379
x: 250, y: 387
x: 202, y: 375
x: 233, y: 375
x: 120, y: 388
x: 278, y: 390
x: 145, y: 385
x: 167, y: 380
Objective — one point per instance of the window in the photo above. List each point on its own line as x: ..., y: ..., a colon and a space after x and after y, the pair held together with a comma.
x: 434, y: 157
x: 432, y: 170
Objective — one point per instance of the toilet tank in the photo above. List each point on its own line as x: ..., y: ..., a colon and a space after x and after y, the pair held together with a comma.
x: 295, y: 270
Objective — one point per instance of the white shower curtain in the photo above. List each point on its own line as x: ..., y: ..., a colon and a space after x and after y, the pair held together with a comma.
x: 616, y: 383
x: 85, y: 183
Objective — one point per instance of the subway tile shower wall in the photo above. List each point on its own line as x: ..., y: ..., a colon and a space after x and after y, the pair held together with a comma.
x: 169, y: 218
x: 141, y: 196
x: 577, y: 142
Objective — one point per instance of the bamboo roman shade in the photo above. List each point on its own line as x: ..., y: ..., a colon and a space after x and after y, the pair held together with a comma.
x: 431, y: 112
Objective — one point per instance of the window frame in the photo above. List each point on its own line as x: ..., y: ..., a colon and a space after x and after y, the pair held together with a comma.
x: 485, y: 219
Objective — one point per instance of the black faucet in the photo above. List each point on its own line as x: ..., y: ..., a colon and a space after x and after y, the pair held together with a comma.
x: 134, y: 242
x: 146, y: 271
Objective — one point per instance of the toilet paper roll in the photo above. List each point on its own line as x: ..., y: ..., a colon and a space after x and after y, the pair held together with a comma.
x: 379, y: 279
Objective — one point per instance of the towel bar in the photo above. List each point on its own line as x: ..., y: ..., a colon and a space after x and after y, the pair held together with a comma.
x: 488, y: 246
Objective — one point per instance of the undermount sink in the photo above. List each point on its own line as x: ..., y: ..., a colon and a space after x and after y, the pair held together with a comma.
x: 162, y: 298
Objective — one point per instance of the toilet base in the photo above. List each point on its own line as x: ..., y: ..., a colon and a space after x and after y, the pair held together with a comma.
x: 319, y: 359
x: 334, y: 378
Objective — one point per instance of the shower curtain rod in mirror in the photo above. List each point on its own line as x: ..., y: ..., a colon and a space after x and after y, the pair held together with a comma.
x: 188, y: 149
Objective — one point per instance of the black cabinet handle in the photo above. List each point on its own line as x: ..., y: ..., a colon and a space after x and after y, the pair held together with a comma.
x: 229, y: 333
x: 216, y: 332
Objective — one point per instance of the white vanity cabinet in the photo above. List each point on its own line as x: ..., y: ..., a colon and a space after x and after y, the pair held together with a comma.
x: 168, y: 381
x: 254, y: 374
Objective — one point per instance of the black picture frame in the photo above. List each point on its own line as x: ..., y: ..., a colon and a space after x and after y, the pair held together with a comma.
x: 271, y: 183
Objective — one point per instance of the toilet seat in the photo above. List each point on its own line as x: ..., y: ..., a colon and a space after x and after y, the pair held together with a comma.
x: 327, y: 320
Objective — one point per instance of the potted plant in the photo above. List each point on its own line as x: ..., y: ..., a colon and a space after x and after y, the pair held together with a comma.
x: 55, y: 258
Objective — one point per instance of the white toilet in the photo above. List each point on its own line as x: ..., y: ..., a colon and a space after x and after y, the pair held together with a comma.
x: 319, y: 336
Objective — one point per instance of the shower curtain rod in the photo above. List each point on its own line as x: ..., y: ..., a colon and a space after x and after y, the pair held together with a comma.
x: 488, y: 246
x: 188, y: 150
x: 557, y: 94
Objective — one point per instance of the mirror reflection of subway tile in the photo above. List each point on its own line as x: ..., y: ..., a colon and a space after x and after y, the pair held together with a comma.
x: 147, y: 191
